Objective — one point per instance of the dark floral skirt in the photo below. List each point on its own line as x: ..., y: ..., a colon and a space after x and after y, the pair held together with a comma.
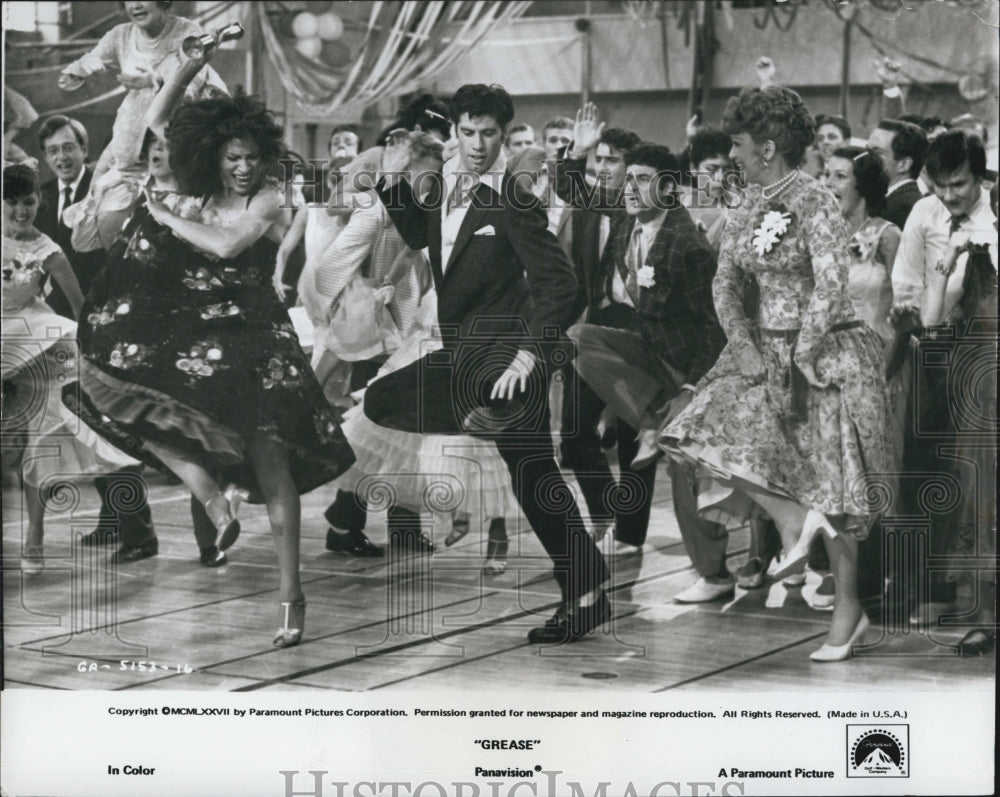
x: 200, y: 357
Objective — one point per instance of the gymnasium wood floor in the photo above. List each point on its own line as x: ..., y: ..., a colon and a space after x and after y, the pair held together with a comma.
x: 417, y: 623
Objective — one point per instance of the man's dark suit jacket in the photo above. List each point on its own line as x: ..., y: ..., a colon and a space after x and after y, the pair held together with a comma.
x: 580, y: 237
x: 899, y: 204
x: 84, y: 264
x: 677, y: 313
x: 507, y: 279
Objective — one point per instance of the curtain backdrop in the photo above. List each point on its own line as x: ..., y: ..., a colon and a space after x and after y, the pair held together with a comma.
x: 403, y: 45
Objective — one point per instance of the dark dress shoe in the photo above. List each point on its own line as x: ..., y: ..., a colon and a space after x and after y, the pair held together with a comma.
x: 411, y: 542
x: 213, y: 557
x: 135, y: 553
x: 100, y: 537
x: 573, y: 624
x: 978, y: 642
x: 353, y: 543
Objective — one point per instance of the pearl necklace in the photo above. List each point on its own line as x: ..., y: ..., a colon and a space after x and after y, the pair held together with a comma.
x: 780, y: 185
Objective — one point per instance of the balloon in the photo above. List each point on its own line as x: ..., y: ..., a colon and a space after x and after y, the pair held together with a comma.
x: 335, y: 53
x: 305, y: 25
x: 331, y: 27
x: 310, y: 48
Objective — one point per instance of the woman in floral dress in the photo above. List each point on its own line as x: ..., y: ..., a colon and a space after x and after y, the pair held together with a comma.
x: 190, y: 361
x: 793, y: 417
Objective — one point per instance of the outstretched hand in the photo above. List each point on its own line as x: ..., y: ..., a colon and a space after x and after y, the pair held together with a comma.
x: 586, y: 130
x: 515, y: 377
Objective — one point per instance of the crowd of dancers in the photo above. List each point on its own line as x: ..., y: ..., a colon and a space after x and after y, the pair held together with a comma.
x: 757, y: 310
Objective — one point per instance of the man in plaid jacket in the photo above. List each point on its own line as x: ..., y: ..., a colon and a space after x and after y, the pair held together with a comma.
x: 661, y: 266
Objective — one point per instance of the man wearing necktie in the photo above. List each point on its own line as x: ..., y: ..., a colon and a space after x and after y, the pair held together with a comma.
x: 505, y: 292
x: 660, y: 272
x: 958, y: 210
x: 63, y: 142
x: 585, y: 235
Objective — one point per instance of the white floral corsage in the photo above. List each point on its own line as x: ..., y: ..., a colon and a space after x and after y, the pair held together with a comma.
x: 646, y: 277
x: 772, y: 228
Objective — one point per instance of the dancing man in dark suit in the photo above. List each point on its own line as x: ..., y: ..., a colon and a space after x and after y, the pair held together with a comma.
x: 661, y: 275
x: 505, y: 294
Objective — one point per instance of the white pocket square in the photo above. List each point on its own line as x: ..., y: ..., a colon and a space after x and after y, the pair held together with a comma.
x: 487, y: 230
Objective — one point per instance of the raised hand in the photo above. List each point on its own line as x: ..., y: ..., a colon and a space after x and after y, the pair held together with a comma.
x: 765, y: 71
x: 887, y: 71
x: 396, y: 157
x: 586, y: 130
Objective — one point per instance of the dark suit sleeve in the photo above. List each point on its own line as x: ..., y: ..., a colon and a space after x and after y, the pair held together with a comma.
x: 408, y: 215
x: 699, y: 271
x: 550, y: 275
x: 573, y: 189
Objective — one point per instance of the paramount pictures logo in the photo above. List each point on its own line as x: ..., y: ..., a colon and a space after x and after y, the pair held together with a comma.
x: 878, y: 751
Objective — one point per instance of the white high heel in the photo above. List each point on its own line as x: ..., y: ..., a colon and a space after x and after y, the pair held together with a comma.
x: 842, y: 652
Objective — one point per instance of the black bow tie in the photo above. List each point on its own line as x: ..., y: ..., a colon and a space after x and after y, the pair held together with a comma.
x: 958, y: 221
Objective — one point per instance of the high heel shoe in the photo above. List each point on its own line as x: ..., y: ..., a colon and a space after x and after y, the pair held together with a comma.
x: 290, y: 634
x: 220, y: 512
x: 811, y: 526
x: 842, y: 652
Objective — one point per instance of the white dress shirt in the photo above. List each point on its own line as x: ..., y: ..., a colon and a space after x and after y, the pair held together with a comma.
x: 648, y: 231
x: 923, y: 244
x: 452, y: 217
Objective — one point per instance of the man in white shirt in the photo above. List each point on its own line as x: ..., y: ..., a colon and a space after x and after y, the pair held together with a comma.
x: 956, y: 163
x: 960, y: 208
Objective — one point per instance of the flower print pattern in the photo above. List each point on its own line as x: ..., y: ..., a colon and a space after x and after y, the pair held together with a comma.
x: 215, y: 358
x: 204, y: 358
x: 279, y: 372
x: 220, y: 310
x: 111, y: 311
x: 201, y: 280
x: 128, y: 355
x: 744, y: 427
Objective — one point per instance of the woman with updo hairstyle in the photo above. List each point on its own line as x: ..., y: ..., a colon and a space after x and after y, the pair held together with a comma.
x: 192, y: 364
x: 793, y: 417
x: 858, y: 180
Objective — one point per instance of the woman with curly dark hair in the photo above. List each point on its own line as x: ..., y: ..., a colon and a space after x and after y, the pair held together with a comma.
x: 793, y: 417
x: 191, y: 362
